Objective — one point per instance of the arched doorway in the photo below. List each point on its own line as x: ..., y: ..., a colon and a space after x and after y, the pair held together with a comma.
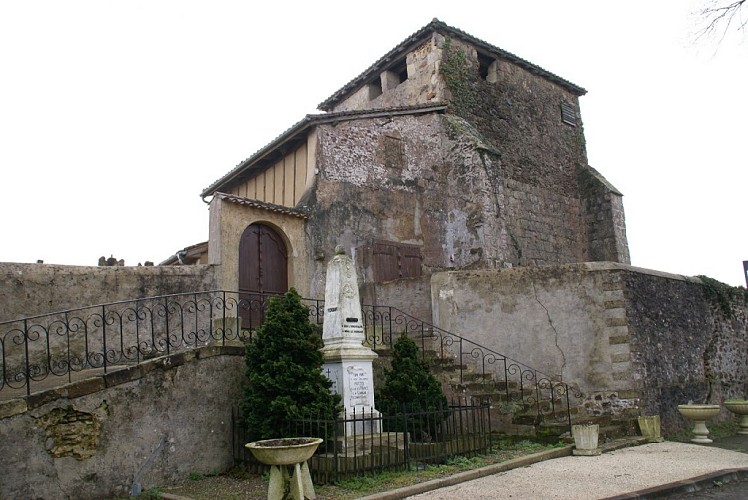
x: 263, y: 270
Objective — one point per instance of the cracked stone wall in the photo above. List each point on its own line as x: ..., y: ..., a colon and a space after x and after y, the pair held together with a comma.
x: 149, y: 426
x: 634, y: 341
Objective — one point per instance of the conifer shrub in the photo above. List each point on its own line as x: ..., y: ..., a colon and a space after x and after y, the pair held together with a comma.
x: 284, y: 372
x: 409, y: 387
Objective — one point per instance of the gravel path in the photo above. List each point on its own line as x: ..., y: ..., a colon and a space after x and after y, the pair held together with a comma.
x: 615, y: 473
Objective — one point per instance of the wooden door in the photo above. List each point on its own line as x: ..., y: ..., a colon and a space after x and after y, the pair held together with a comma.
x: 263, y: 270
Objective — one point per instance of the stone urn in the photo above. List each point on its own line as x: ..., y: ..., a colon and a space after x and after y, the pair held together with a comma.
x: 585, y: 440
x: 281, y: 454
x: 740, y: 408
x: 650, y: 428
x: 699, y: 414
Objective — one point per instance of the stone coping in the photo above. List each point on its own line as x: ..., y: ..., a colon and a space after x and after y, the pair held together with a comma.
x: 587, y: 266
x: 113, y: 378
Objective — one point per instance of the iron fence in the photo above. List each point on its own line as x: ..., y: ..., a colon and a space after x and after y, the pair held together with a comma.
x: 369, y: 441
x: 70, y: 344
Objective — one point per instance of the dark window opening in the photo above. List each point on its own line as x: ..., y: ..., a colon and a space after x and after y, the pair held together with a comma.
x: 401, y: 70
x: 568, y: 114
x: 375, y: 88
x: 484, y: 63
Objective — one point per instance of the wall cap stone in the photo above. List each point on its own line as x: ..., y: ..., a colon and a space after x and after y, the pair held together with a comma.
x: 582, y: 266
x: 98, y: 383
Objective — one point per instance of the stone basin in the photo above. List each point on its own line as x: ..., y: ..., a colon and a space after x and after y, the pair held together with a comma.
x: 698, y: 412
x: 739, y: 407
x: 286, y: 451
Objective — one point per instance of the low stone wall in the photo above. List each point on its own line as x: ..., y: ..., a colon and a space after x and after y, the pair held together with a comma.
x: 632, y: 341
x: 35, y: 289
x: 103, y: 437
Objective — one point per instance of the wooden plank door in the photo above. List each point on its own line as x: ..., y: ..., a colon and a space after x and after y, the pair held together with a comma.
x: 263, y: 269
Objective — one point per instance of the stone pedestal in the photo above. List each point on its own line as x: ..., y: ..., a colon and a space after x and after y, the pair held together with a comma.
x: 699, y: 414
x: 585, y: 440
x: 348, y: 363
x: 650, y: 428
x: 740, y: 408
x: 282, y: 453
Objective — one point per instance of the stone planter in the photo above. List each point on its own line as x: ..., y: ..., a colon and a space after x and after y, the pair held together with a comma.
x: 699, y: 414
x: 585, y: 439
x: 740, y: 408
x: 284, y: 453
x: 650, y: 428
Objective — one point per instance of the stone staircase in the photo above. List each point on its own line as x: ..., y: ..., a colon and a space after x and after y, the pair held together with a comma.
x: 520, y: 406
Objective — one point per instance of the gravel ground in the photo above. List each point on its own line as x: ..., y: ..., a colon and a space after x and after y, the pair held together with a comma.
x: 239, y: 485
x: 615, y: 473
x: 612, y: 473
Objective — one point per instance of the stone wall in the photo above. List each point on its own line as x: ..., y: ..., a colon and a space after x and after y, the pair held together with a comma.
x: 684, y: 347
x: 450, y: 192
x: 498, y: 181
x: 410, y: 295
x: 633, y: 341
x: 36, y: 289
x: 520, y: 114
x: 106, y: 436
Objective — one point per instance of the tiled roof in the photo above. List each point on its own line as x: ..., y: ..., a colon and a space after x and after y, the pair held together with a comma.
x: 302, y: 127
x: 280, y: 209
x: 417, y: 38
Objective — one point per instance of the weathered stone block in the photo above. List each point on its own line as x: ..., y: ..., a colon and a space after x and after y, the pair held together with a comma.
x: 38, y: 399
x: 620, y: 358
x: 123, y: 376
x: 616, y: 321
x: 12, y: 408
x: 618, y: 339
x: 86, y: 386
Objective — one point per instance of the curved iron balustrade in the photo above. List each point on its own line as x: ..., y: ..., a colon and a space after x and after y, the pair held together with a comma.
x: 115, y: 335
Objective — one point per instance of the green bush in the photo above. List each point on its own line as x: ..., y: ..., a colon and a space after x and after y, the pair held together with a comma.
x: 410, y: 387
x: 284, y: 372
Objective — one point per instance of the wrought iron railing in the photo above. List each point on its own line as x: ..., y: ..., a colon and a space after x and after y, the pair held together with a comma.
x: 384, y: 440
x: 69, y: 344
x: 109, y: 336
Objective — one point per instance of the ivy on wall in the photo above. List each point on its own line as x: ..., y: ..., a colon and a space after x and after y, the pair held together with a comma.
x: 722, y: 295
x: 457, y: 72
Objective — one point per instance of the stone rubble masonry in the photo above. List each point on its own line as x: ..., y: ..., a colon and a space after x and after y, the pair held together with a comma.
x: 150, y: 424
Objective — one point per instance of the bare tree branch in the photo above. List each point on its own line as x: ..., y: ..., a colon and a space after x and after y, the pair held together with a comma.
x: 719, y: 17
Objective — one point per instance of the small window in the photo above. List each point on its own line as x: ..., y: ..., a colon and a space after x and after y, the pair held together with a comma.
x: 401, y: 70
x: 568, y: 114
x: 484, y: 63
x: 375, y: 88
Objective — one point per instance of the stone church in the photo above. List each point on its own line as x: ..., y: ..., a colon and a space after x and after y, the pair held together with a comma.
x: 448, y: 153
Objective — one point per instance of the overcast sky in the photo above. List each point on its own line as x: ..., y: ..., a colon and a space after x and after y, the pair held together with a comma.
x: 114, y: 115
